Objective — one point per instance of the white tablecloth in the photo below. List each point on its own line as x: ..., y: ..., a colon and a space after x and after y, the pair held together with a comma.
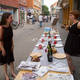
x: 59, y: 65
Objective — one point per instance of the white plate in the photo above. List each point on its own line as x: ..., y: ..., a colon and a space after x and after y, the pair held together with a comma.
x: 58, y: 39
x: 44, y: 35
x: 45, y: 39
x: 40, y: 44
x: 59, y: 55
x: 57, y: 35
x: 58, y: 45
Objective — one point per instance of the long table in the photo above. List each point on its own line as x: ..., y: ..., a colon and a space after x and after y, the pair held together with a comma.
x: 44, y: 62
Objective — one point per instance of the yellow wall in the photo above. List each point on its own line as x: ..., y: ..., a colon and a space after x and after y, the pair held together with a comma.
x: 71, y: 4
x: 30, y: 4
x: 65, y: 15
x: 66, y: 11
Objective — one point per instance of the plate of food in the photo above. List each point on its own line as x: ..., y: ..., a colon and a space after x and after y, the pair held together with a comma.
x: 54, y: 50
x: 40, y: 45
x: 35, y: 57
x: 42, y: 40
x: 36, y: 54
x: 59, y: 55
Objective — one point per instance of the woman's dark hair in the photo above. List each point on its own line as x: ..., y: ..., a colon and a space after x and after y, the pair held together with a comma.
x: 76, y: 13
x: 5, y: 16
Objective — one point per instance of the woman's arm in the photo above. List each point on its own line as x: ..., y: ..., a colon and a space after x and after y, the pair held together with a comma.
x: 1, y: 34
x: 1, y: 42
x: 78, y: 25
x: 67, y: 27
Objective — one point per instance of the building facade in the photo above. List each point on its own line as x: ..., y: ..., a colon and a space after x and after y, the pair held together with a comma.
x: 34, y: 6
x: 20, y: 8
x: 42, y: 2
x: 9, y: 6
x: 53, y: 8
x: 22, y: 11
x: 67, y: 6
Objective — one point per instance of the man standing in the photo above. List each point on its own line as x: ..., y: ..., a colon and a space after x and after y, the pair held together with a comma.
x: 28, y: 19
x: 40, y: 20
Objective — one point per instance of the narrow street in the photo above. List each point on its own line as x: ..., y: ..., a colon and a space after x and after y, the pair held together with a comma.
x: 25, y: 39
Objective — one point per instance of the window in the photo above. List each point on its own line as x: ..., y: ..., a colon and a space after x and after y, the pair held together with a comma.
x: 78, y: 4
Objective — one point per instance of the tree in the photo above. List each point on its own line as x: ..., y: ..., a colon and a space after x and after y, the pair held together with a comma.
x: 45, y: 10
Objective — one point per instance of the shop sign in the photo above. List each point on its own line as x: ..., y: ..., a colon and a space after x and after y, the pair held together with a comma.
x: 7, y: 10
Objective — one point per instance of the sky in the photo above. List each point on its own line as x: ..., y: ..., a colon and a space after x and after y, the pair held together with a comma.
x: 49, y: 2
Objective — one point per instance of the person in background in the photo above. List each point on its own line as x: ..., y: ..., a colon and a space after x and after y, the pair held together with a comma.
x: 33, y: 19
x: 6, y: 44
x: 28, y: 19
x: 43, y: 18
x: 72, y: 44
x: 50, y: 17
x: 40, y: 20
x: 47, y: 19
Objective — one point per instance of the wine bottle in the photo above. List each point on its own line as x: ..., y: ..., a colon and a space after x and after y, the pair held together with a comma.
x: 49, y: 55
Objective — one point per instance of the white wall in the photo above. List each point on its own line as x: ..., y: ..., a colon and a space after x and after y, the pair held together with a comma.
x: 16, y: 15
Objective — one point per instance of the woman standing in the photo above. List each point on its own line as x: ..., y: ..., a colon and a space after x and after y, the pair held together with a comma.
x: 6, y: 44
x: 72, y: 45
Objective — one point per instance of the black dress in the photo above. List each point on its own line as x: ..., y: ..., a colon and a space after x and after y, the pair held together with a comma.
x: 72, y: 45
x: 7, y: 44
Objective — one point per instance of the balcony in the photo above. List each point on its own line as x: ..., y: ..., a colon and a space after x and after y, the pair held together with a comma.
x: 63, y: 3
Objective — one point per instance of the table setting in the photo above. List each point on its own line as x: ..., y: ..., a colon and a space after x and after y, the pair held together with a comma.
x: 37, y: 65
